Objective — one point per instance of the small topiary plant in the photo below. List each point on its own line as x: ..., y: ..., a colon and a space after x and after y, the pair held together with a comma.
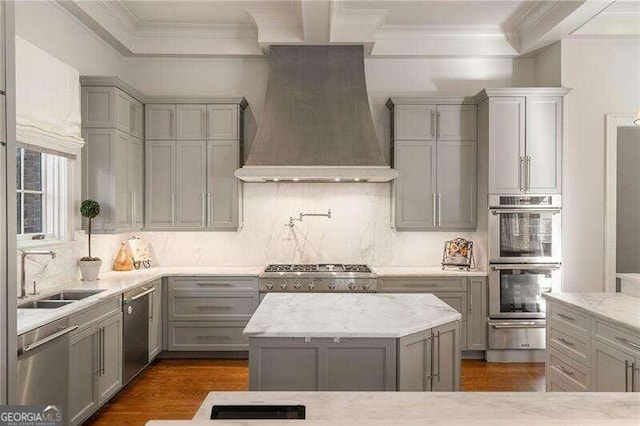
x: 89, y: 209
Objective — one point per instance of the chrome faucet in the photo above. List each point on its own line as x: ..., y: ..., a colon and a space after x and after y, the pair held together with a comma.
x: 23, y: 274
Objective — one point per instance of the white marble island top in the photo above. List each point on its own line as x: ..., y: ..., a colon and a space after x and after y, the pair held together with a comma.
x: 435, y: 408
x: 348, y: 315
x: 114, y: 283
x: 615, y: 307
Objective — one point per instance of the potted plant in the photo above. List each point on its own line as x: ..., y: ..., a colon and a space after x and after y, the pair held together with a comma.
x: 90, y: 266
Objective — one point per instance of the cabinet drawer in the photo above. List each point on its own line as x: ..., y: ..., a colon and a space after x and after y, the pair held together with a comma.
x: 213, y: 283
x: 225, y: 306
x: 570, y: 370
x: 94, y: 314
x: 563, y: 315
x: 422, y: 285
x: 567, y: 340
x: 618, y: 337
x: 207, y: 336
x: 557, y: 383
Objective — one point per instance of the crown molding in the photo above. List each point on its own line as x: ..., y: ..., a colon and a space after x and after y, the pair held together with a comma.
x: 521, y: 92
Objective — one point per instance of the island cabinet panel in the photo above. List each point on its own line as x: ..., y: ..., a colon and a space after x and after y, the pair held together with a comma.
x: 322, y: 364
x: 446, y: 357
x: 478, y: 311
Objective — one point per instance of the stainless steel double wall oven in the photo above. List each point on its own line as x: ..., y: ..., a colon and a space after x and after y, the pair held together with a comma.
x: 524, y: 262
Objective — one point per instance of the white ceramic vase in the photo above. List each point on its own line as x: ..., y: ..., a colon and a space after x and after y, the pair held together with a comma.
x: 90, y: 269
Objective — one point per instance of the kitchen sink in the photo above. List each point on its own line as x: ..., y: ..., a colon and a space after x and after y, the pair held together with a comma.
x: 73, y: 295
x: 45, y: 304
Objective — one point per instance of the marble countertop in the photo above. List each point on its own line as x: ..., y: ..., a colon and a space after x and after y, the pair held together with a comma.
x: 348, y: 315
x: 114, y: 283
x: 614, y: 307
x: 437, y: 408
x: 424, y: 271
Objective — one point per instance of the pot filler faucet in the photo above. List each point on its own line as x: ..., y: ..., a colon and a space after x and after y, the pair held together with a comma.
x: 302, y: 215
x: 23, y: 274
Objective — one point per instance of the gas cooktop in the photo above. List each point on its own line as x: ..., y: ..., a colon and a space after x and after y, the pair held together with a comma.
x: 321, y: 267
x: 321, y: 277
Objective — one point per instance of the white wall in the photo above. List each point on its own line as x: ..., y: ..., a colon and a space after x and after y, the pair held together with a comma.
x: 605, y: 77
x: 548, y: 66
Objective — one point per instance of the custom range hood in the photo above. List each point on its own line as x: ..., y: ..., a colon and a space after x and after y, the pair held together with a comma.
x: 316, y: 124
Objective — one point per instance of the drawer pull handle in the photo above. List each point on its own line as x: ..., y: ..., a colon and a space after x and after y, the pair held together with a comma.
x: 214, y: 284
x: 565, y: 371
x: 567, y: 317
x: 213, y: 307
x: 213, y: 337
x: 566, y: 342
x: 627, y: 342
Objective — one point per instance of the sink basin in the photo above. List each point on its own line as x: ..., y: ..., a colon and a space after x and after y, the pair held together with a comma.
x: 73, y: 295
x: 45, y: 304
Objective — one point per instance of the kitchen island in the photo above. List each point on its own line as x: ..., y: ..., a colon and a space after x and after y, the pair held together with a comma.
x: 354, y: 342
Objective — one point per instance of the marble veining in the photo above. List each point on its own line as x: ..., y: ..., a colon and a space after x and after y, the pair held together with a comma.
x: 615, y: 307
x: 424, y: 271
x: 348, y: 315
x: 446, y: 407
x: 114, y: 283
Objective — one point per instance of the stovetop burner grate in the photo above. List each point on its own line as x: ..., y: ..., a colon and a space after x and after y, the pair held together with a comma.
x: 312, y: 267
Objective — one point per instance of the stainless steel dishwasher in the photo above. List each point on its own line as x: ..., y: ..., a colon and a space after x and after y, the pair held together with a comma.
x: 43, y: 366
x: 136, y: 331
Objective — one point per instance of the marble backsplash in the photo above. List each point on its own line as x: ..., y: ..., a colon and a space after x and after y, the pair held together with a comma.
x: 359, y: 231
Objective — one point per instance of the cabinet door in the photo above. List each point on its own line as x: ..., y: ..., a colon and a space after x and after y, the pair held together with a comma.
x: 98, y: 107
x: 611, y: 369
x: 124, y: 204
x: 456, y: 123
x: 415, y: 187
x: 191, y: 122
x: 446, y: 357
x: 155, y: 320
x: 223, y: 121
x: 124, y: 111
x: 191, y: 184
x: 414, y: 122
x: 136, y: 178
x: 160, y: 121
x: 544, y: 144
x: 477, y: 316
x: 506, y: 145
x: 109, y: 357
x: 414, y: 362
x: 99, y: 174
x: 456, y: 177
x: 223, y: 187
x: 83, y: 370
x: 160, y: 168
x: 138, y: 114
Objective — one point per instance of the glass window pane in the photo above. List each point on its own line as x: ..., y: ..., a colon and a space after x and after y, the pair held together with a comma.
x: 19, y: 213
x: 32, y: 213
x: 32, y: 171
x: 19, y: 168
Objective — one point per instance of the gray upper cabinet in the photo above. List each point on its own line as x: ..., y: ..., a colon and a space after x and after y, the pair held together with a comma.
x: 524, y: 129
x: 434, y: 152
x: 191, y: 184
x: 160, y: 187
x: 544, y: 144
x: 160, y: 122
x: 415, y: 187
x: 191, y: 122
x: 223, y: 121
x: 113, y: 162
x: 190, y: 181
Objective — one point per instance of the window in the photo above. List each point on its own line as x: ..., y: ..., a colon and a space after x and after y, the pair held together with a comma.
x: 41, y: 195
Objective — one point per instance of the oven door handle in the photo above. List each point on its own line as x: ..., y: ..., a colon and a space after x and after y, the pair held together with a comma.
x: 526, y: 266
x: 553, y: 210
x: 522, y: 324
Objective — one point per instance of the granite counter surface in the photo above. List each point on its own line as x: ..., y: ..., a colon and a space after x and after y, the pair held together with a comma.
x: 348, y: 315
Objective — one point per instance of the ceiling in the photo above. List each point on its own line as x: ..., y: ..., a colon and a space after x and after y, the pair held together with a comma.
x: 397, y: 28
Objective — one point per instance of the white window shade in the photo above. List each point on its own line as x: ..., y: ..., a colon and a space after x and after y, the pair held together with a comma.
x: 47, y: 102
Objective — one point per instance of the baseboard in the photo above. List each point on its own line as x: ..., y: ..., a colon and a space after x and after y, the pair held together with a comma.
x: 204, y: 355
x: 473, y: 355
x: 516, y: 355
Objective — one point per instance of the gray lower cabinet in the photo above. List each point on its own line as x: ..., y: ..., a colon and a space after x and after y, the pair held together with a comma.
x: 209, y: 313
x: 612, y: 369
x: 478, y: 311
x: 434, y: 152
x: 322, y: 364
x: 95, y: 359
x: 155, y: 320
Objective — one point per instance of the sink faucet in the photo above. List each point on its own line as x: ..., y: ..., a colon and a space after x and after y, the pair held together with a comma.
x: 23, y: 274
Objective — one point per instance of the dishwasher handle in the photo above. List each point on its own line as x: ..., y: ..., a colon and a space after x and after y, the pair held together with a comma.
x: 140, y: 295
x: 46, y: 340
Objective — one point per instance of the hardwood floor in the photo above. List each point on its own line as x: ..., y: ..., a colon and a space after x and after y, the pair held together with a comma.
x: 174, y: 388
